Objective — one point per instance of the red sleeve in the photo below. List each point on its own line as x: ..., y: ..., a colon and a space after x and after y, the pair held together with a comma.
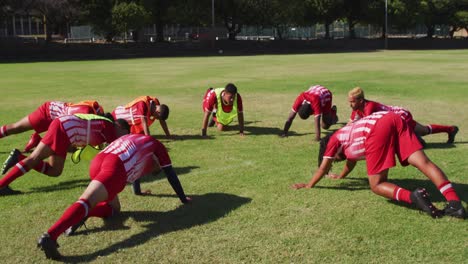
x: 298, y: 102
x: 332, y: 147
x: 209, y: 101
x: 316, y: 106
x: 240, y: 108
x: 142, y: 109
x: 162, y: 155
x: 372, y: 107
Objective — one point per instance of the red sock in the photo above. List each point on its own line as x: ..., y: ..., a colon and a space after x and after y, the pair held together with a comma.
x: 72, y: 216
x: 102, y: 209
x: 401, y: 194
x: 42, y: 167
x: 448, y: 191
x: 3, y: 131
x: 434, y: 129
x: 16, y: 171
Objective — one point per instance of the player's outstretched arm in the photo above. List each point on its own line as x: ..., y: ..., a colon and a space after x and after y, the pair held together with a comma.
x: 175, y: 183
x: 321, y: 171
x: 206, y: 116
x: 288, y: 123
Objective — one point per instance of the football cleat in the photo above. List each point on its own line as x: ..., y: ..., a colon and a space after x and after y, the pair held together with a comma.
x: 49, y: 246
x: 451, y: 135
x: 8, y: 191
x: 455, y: 209
x: 11, y: 161
x: 33, y: 142
x: 420, y: 198
x: 72, y: 229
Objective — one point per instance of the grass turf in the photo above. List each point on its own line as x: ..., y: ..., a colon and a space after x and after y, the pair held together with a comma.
x: 243, y: 210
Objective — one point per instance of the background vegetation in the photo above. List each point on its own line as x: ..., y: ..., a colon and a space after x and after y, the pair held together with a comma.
x: 235, y: 14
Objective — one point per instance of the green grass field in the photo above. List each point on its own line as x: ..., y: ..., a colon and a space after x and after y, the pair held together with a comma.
x: 243, y: 209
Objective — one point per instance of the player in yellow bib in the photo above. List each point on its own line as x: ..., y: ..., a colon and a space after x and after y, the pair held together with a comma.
x: 225, y: 104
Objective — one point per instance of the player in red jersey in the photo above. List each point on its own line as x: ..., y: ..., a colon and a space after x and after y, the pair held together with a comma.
x: 124, y: 160
x: 377, y: 138
x: 141, y: 113
x: 225, y: 104
x: 317, y: 101
x: 40, y: 119
x: 362, y: 107
x: 77, y: 130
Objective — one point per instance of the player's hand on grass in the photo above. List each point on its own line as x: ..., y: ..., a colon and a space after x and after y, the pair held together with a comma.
x: 334, y: 176
x: 297, y: 186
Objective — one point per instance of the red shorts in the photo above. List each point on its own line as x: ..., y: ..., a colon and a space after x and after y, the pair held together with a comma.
x: 390, y: 135
x: 57, y: 139
x: 39, y: 119
x: 109, y: 170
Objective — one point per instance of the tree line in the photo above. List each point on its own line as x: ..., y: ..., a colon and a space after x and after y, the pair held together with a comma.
x: 111, y: 18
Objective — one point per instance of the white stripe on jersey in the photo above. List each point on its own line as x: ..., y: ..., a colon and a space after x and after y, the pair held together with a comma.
x: 128, y: 114
x: 57, y: 109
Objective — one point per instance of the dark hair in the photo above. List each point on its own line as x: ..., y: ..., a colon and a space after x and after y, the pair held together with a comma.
x: 163, y: 112
x: 230, y: 88
x: 304, y: 111
x: 122, y: 123
x: 323, y: 147
x: 109, y: 116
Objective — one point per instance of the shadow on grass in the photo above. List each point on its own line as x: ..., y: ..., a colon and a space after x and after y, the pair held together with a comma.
x: 183, y: 137
x: 179, y: 171
x: 204, y: 209
x: 442, y: 145
x: 66, y: 185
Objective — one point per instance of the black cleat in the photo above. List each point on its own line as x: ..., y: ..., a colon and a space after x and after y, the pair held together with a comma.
x: 49, y: 246
x: 455, y: 209
x: 421, y: 140
x: 8, y: 191
x: 72, y: 229
x: 451, y: 135
x: 420, y: 198
x: 11, y: 160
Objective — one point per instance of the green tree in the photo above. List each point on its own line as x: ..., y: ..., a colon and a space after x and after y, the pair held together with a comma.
x: 324, y: 11
x: 98, y: 13
x: 128, y: 16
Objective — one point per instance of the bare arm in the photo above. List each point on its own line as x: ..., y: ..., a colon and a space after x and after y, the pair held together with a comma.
x: 206, y: 116
x: 288, y: 123
x: 240, y: 117
x: 164, y: 127
x: 348, y: 167
x: 321, y: 171
x: 145, y: 126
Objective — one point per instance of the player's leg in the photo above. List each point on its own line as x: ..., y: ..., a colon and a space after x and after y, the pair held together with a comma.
x: 95, y: 192
x: 18, y: 127
x: 34, y: 161
x: 419, y: 160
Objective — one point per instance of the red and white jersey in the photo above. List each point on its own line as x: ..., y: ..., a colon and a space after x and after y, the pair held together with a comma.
x: 139, y: 154
x: 132, y: 114
x: 372, y: 107
x: 82, y: 132
x: 57, y: 109
x: 351, y: 138
x: 319, y: 98
x: 210, y: 102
